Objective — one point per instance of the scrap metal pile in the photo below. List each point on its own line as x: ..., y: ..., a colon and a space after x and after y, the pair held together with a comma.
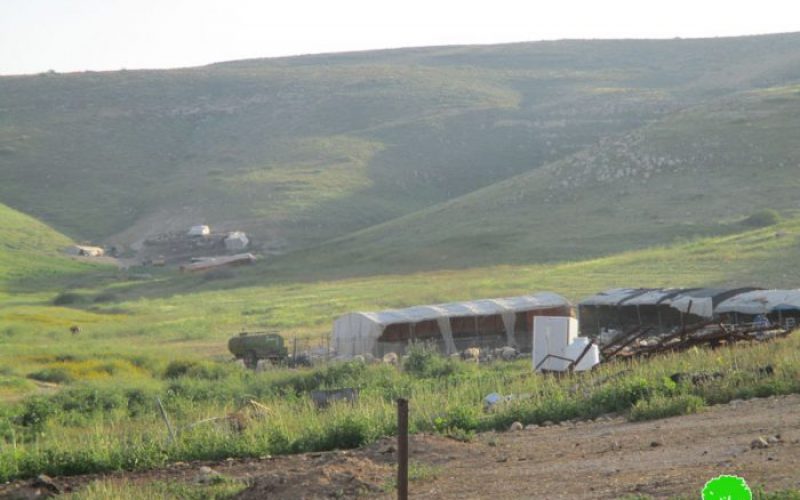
x: 641, y: 342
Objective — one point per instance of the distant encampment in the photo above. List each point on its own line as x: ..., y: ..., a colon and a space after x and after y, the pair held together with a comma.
x: 85, y: 251
x: 201, y: 230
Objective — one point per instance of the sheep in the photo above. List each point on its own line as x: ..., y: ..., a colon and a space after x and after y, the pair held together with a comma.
x: 506, y: 353
x: 390, y: 358
x: 75, y: 329
x: 471, y: 354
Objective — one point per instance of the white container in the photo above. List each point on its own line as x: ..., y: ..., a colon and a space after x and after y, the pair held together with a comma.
x: 590, y: 359
x: 551, y: 336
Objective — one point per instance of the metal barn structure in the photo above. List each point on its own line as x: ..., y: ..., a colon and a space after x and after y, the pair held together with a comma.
x: 660, y: 309
x: 453, y: 327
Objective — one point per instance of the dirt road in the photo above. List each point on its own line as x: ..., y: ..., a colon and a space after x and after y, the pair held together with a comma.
x: 613, y: 459
x: 603, y: 460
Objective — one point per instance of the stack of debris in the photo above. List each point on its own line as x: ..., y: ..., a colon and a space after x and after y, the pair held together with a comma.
x: 641, y: 342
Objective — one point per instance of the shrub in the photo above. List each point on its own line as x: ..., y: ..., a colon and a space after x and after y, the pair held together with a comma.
x: 68, y: 298
x: 218, y: 274
x: 336, y: 375
x: 35, y: 413
x: 106, y: 297
x: 463, y: 417
x: 425, y: 361
x: 55, y: 375
x: 89, y: 399
x: 763, y: 218
x: 665, y: 406
x: 350, y: 431
x: 196, y: 369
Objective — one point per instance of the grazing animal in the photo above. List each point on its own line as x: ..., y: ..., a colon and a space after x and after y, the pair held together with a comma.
x: 471, y: 354
x: 696, y: 378
x: 390, y: 358
x: 322, y: 399
x: 74, y: 329
x: 506, y: 353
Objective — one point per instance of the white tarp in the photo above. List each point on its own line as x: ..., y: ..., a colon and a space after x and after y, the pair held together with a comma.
x: 358, y: 332
x: 760, y: 302
x: 199, y: 231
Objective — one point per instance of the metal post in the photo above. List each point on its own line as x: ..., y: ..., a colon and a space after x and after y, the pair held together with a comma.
x: 402, y: 449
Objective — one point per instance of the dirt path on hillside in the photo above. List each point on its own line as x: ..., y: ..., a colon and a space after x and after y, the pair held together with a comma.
x: 605, y: 460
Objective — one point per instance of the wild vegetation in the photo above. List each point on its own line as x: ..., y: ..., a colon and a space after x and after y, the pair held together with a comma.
x: 105, y: 417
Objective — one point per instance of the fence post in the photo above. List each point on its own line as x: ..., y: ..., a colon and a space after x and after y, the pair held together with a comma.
x: 166, y: 420
x: 402, y: 449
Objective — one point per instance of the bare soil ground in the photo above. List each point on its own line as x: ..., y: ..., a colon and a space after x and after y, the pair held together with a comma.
x: 606, y: 460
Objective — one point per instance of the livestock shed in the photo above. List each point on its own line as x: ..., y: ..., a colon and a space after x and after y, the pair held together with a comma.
x: 780, y: 307
x: 452, y: 327
x: 661, y: 309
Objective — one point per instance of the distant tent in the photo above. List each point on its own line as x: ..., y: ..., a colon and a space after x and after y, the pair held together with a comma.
x: 236, y: 240
x: 85, y: 251
x: 199, y: 231
x: 453, y: 326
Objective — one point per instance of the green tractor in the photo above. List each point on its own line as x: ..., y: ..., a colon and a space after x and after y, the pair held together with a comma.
x: 252, y: 347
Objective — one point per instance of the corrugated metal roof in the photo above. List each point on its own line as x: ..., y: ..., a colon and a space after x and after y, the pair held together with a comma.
x: 615, y: 296
x: 761, y: 302
x: 654, y: 296
x: 484, y: 307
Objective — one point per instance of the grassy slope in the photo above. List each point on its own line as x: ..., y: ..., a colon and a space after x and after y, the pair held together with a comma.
x: 165, y: 318
x: 192, y: 314
x: 29, y: 252
x: 381, y: 134
x: 694, y: 173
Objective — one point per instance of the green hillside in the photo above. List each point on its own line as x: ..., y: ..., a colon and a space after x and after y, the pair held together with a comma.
x: 698, y: 172
x: 190, y: 311
x: 31, y: 251
x: 301, y: 150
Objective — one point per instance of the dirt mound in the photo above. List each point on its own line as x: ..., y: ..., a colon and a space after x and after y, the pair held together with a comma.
x: 347, y: 474
x: 331, y: 476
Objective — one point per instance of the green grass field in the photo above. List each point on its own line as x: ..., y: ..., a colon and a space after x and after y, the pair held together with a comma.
x: 170, y: 316
x: 78, y: 404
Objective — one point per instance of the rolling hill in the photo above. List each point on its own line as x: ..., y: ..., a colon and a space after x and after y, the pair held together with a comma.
x: 31, y: 251
x: 299, y: 151
x: 701, y: 171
